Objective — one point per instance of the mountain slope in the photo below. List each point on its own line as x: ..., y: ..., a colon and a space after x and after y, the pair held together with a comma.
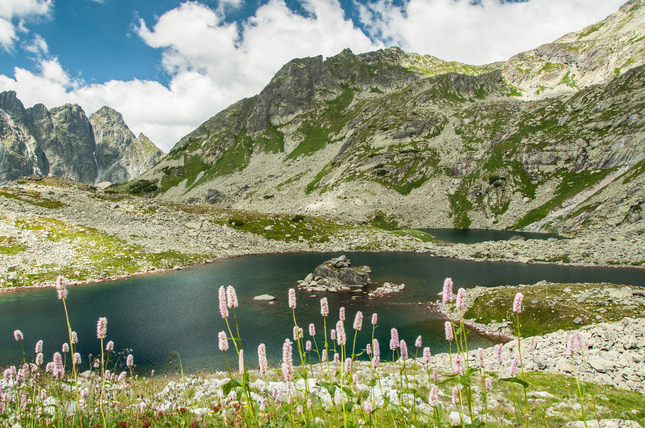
x: 433, y: 143
x: 63, y: 142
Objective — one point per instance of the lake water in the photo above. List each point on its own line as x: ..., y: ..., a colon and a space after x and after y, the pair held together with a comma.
x: 472, y: 236
x: 178, y: 311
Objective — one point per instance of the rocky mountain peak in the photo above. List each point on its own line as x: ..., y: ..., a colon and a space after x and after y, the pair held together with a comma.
x: 10, y: 103
x: 63, y: 142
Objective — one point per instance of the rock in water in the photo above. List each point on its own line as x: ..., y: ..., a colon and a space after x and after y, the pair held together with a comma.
x: 337, y: 274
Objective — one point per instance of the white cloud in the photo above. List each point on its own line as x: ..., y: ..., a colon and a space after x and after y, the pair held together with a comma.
x: 23, y: 8
x: 483, y: 33
x: 37, y: 46
x: 14, y: 13
x: 213, y: 63
x: 7, y: 34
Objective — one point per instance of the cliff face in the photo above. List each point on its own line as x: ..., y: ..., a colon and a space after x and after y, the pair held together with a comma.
x: 552, y: 139
x: 119, y: 155
x: 63, y: 142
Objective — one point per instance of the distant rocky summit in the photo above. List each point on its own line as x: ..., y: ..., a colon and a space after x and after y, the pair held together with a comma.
x: 337, y: 274
x: 63, y: 142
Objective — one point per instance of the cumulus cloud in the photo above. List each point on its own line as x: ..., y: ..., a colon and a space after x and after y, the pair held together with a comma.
x: 213, y: 62
x: 14, y: 13
x: 488, y: 31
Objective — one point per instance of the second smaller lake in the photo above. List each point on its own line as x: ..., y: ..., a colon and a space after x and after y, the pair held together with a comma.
x: 472, y: 236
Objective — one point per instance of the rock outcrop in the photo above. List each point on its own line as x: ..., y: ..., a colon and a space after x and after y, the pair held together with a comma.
x: 119, y: 155
x: 63, y: 142
x: 337, y: 274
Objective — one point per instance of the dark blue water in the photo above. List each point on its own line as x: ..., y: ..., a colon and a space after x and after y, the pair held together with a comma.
x: 155, y: 315
x: 472, y: 236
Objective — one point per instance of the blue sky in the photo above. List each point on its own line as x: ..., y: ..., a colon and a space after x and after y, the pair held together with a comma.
x: 169, y: 65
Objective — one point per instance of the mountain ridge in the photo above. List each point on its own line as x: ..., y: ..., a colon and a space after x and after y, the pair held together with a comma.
x: 434, y: 143
x: 64, y: 142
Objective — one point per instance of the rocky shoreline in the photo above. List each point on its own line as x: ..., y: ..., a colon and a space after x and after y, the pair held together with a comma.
x: 43, y: 237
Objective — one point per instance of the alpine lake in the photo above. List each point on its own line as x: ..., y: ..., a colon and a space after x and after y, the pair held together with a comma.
x: 174, y: 316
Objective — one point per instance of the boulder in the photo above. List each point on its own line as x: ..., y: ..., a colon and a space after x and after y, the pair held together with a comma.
x: 337, y: 274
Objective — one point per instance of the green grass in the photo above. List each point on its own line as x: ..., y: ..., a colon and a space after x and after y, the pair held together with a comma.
x: 571, y: 184
x: 97, y: 254
x: 11, y: 246
x: 460, y: 206
x: 634, y: 172
x: 317, y: 130
x: 32, y: 197
x: 549, y: 308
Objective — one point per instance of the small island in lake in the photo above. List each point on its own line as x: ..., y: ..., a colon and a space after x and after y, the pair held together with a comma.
x: 338, y: 274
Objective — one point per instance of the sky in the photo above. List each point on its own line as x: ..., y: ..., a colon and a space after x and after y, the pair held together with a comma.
x: 169, y: 65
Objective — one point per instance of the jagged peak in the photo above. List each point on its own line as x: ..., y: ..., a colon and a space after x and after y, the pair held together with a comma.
x: 107, y: 111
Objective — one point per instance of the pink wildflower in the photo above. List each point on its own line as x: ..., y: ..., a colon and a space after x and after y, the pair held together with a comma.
x: 77, y: 358
x: 341, y: 336
x: 58, y: 369
x: 292, y: 298
x: 262, y: 359
x: 129, y: 361
x: 323, y: 357
x: 434, y: 396
x: 223, y: 341
x: 231, y: 297
x: 418, y: 343
x: 498, y: 353
x: 435, y: 375
x: 449, y: 335
x: 461, y: 299
x: 368, y: 349
x: 368, y: 406
x: 110, y: 346
x: 336, y: 357
x: 74, y: 338
x: 101, y: 328
x: 312, y: 330
x: 65, y: 348
x: 39, y: 346
x: 287, y: 361
x: 332, y: 333
x: 513, y: 370
x: 61, y: 288
x: 348, y: 365
x: 404, y: 349
x: 240, y: 365
x: 447, y: 290
x: 394, y: 339
x: 308, y: 346
x: 341, y: 314
x: 426, y: 355
x: 375, y: 361
x: 17, y: 334
x: 358, y: 321
x: 223, y: 310
x: 324, y: 307
x: 458, y: 365
x: 39, y: 358
x: 376, y: 348
x: 517, y: 303
x: 480, y: 357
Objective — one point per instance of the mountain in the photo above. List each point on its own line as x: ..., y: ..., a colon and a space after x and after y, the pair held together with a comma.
x: 63, y: 142
x: 120, y: 156
x: 551, y: 139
